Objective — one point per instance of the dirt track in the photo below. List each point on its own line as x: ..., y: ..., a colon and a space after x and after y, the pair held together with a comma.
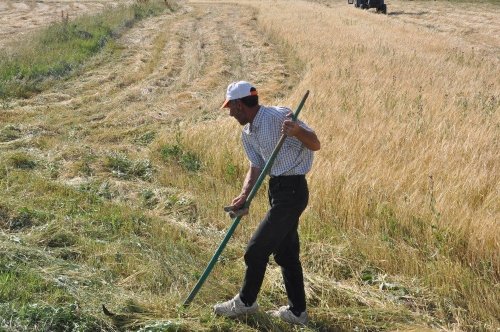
x: 17, y: 18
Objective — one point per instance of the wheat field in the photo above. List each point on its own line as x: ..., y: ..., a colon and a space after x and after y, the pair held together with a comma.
x: 409, y: 122
x: 112, y: 180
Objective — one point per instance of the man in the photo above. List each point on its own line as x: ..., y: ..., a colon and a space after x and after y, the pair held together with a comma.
x: 288, y: 196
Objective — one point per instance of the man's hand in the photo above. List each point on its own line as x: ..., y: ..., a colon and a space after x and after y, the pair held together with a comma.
x: 290, y: 128
x: 238, y: 202
x: 307, y: 137
x: 236, y: 208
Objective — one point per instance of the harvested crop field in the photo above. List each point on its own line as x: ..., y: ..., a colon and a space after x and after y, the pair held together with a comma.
x: 113, y: 177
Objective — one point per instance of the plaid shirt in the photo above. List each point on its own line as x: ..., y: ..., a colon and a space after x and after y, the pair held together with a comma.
x: 261, y: 136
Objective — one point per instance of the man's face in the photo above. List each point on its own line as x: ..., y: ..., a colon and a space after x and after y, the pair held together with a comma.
x: 236, y: 111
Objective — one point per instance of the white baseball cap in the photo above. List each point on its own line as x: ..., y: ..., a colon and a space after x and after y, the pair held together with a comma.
x: 237, y: 90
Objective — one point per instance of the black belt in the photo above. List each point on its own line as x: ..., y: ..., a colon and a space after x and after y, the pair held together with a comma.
x: 287, y: 177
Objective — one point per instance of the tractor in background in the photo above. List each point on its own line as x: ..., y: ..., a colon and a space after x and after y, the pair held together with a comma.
x: 366, y: 4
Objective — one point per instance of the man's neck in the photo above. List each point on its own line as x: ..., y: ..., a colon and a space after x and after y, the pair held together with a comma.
x: 253, y: 112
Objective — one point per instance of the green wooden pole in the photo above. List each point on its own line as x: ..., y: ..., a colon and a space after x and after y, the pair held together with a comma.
x: 236, y: 220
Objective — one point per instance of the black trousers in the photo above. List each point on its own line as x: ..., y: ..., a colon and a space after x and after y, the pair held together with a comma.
x: 277, y: 234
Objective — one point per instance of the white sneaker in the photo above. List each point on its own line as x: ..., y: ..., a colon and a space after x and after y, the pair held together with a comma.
x: 288, y: 316
x: 235, y: 307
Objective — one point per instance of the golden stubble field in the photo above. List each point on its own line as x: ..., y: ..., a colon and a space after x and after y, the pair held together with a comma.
x: 406, y: 105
